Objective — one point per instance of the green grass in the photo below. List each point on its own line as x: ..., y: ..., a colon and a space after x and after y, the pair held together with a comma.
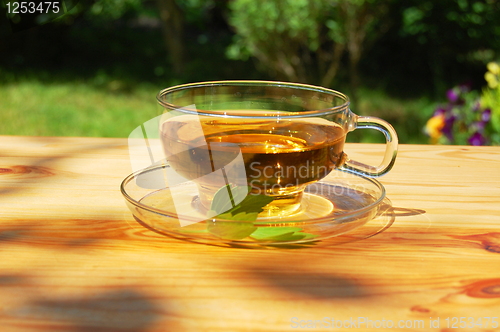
x: 76, y: 108
x: 113, y: 108
x: 408, y: 116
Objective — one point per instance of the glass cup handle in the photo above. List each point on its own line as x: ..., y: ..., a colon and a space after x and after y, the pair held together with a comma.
x: 369, y: 122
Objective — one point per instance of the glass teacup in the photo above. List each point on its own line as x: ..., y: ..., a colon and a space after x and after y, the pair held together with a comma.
x: 273, y: 138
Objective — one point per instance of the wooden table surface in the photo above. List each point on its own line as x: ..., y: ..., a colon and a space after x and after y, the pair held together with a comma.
x: 74, y: 259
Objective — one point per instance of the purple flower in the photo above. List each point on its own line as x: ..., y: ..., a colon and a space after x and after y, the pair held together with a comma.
x: 452, y: 95
x: 479, y: 125
x: 486, y: 115
x: 440, y: 111
x: 448, y: 126
x: 477, y: 139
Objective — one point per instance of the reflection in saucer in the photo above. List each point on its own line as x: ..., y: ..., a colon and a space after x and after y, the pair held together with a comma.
x: 341, y: 208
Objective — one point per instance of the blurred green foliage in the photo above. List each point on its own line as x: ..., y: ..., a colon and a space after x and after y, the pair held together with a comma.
x: 304, y: 40
x: 490, y: 99
x: 456, y: 38
x: 397, y: 58
x: 114, y: 9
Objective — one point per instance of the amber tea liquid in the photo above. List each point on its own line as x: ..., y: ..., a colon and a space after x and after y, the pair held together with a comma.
x: 279, y: 158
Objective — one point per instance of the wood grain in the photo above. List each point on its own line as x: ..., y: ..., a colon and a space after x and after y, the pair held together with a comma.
x: 74, y: 259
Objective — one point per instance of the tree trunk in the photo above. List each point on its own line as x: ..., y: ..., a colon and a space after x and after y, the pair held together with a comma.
x: 358, y: 18
x: 173, y: 32
x: 354, y: 57
x: 330, y: 74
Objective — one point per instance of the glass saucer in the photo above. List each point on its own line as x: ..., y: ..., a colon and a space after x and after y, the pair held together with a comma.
x: 336, y: 205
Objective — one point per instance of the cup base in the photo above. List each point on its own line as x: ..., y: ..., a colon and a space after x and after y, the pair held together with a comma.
x: 286, y: 201
x: 281, y: 207
x: 284, y: 206
x: 335, y: 205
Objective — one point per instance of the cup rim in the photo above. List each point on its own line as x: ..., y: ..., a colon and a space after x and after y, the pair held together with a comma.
x: 302, y: 86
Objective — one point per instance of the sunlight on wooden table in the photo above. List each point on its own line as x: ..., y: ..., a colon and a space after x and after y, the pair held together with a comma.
x: 74, y: 258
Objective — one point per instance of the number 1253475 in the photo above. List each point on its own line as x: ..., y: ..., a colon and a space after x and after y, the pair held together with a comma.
x: 469, y: 322
x: 32, y: 7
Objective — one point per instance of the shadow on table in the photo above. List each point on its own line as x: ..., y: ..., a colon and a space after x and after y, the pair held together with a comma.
x: 314, y: 275
x: 68, y: 234
x: 313, y: 284
x: 116, y: 310
x: 124, y: 309
x: 41, y: 168
x: 10, y: 279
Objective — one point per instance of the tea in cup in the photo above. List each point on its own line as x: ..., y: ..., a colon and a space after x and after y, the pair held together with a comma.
x: 274, y: 138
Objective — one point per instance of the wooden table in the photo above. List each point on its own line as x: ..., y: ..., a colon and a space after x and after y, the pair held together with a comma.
x: 74, y: 259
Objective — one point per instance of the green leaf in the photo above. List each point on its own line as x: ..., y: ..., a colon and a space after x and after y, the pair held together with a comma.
x: 227, y: 216
x: 225, y: 197
x: 271, y: 232
x: 243, y: 216
x: 231, y: 230
x: 244, y: 212
x: 307, y: 236
x: 281, y: 234
x: 252, y: 203
x: 228, y: 197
